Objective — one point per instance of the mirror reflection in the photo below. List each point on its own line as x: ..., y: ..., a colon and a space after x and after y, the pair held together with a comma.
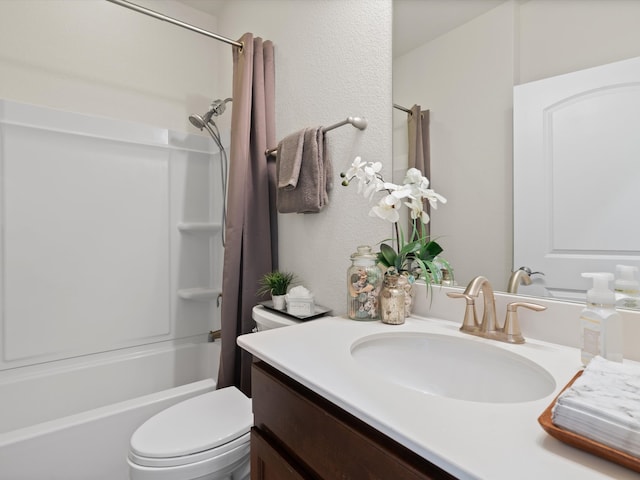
x: 461, y: 61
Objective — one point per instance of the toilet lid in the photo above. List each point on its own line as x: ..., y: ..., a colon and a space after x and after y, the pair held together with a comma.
x: 200, y: 423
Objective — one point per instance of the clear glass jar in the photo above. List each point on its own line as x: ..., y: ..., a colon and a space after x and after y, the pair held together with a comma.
x: 364, y: 280
x: 392, y: 301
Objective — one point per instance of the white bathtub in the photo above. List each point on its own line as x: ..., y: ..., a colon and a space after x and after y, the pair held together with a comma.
x: 73, y: 420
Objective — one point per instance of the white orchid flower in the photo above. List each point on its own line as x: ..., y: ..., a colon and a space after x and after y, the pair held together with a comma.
x: 387, y: 209
x: 375, y: 185
x: 413, y: 192
x: 434, y: 198
x: 356, y: 167
x: 417, y: 211
x: 373, y: 168
x: 399, y: 191
x: 414, y: 176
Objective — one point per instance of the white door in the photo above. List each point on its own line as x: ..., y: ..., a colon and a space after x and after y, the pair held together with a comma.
x: 577, y: 174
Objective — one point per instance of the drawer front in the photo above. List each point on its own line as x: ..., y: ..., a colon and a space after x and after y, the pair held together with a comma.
x: 326, y: 439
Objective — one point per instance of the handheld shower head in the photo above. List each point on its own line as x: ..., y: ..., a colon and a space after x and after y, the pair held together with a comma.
x: 216, y: 109
x: 197, y: 121
x: 204, y: 122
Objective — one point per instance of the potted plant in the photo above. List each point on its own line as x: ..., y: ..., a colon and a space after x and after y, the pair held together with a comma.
x: 415, y: 256
x: 276, y: 284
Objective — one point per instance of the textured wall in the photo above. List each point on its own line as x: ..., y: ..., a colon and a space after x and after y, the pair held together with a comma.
x: 333, y: 60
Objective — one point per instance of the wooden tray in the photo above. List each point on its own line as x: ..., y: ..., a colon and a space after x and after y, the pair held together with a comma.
x: 584, y: 443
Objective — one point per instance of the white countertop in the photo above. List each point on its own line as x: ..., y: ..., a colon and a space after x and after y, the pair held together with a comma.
x: 470, y: 440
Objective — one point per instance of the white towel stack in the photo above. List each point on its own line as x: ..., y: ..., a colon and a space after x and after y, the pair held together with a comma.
x: 603, y: 405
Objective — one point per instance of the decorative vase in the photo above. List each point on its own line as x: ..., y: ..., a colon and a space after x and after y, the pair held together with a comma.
x: 392, y: 301
x: 406, y: 281
x: 364, y: 280
x: 278, y: 301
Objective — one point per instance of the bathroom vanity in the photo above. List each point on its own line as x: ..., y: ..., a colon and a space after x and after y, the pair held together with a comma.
x: 324, y: 409
x: 298, y: 434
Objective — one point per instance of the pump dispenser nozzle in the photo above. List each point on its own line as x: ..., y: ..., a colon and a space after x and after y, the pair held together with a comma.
x: 626, y: 279
x: 600, y: 294
x: 626, y: 287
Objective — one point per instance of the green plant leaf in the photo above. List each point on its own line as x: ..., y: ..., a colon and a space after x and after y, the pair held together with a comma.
x: 387, y: 255
x: 434, y: 248
x: 410, y: 247
x: 275, y: 283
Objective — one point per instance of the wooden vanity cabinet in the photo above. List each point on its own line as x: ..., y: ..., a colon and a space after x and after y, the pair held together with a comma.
x: 298, y: 434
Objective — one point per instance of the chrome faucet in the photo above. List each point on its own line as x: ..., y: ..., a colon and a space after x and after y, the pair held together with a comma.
x: 488, y: 328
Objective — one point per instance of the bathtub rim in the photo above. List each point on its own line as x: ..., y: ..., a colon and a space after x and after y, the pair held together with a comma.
x: 52, y: 426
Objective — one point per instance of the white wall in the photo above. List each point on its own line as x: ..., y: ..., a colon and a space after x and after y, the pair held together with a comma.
x: 95, y: 57
x: 333, y: 60
x: 567, y: 35
x: 466, y: 79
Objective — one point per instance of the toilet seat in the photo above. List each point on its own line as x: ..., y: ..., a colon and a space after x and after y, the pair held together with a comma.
x: 202, y: 428
x: 227, y: 450
x: 235, y: 461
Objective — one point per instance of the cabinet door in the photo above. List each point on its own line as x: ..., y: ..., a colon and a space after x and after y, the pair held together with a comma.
x: 327, y: 441
x: 267, y: 463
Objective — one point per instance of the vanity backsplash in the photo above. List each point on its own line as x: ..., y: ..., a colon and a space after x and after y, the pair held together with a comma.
x: 559, y: 323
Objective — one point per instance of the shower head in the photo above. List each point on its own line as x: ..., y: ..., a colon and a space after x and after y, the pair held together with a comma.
x: 197, y: 121
x: 216, y: 108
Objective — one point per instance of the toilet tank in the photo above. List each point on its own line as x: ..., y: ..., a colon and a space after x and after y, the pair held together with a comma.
x: 268, y: 319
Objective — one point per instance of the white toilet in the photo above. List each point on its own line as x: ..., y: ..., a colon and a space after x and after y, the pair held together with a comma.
x: 203, y: 438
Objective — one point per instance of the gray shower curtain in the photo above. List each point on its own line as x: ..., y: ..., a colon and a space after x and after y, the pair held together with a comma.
x: 251, y: 229
x: 419, y: 149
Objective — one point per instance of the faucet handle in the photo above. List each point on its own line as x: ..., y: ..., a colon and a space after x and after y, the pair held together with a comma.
x: 470, y: 322
x: 511, y: 324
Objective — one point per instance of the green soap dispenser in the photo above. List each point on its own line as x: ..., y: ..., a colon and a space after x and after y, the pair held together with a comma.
x: 600, y: 323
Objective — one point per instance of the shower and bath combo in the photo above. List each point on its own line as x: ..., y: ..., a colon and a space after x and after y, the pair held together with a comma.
x: 205, y: 121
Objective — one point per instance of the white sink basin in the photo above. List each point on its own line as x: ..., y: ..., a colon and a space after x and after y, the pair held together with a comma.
x: 453, y: 367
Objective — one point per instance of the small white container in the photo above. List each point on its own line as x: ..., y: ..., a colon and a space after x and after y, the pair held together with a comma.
x: 301, y: 307
x: 300, y: 302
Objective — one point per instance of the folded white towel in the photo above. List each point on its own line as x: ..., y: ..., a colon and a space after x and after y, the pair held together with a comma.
x: 603, y: 404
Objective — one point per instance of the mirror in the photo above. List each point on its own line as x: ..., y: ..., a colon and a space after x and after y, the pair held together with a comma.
x: 465, y: 60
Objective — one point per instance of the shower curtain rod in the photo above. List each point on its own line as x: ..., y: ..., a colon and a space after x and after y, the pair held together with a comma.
x: 358, y: 122
x: 160, y: 16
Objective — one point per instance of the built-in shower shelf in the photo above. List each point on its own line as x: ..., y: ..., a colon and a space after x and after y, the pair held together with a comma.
x: 202, y: 294
x: 200, y: 227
